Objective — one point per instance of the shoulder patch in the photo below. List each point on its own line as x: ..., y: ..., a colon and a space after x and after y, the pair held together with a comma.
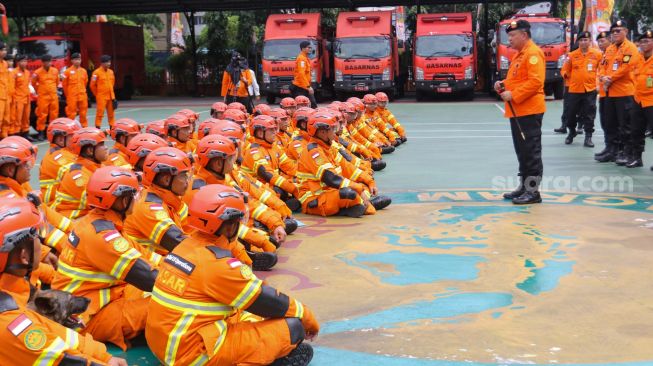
x: 626, y: 59
x: 180, y: 263
x: 54, y: 148
x: 35, y: 339
x: 151, y: 197
x: 254, y: 145
x: 533, y: 60
x: 103, y: 225
x: 198, y: 183
x: 297, y: 138
x: 114, y: 151
x: 4, y: 187
x: 311, y: 146
x: 18, y: 325
x: 218, y: 252
x: 7, y: 303
x: 76, y: 167
x: 73, y: 239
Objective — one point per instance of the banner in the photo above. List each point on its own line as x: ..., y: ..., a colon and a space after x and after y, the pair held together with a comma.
x: 598, y: 16
x: 177, y: 31
x: 401, y: 23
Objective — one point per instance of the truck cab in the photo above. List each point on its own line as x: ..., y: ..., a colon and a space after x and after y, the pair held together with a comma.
x: 548, y: 33
x: 444, y: 56
x: 366, y: 58
x: 283, y: 34
x: 60, y: 47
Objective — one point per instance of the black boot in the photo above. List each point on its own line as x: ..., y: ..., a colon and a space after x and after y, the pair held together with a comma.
x: 527, y: 198
x: 517, y: 192
x: 623, y: 157
x: 579, y: 131
x: 404, y: 139
x: 293, y: 204
x: 635, y: 161
x: 291, y: 225
x: 570, y: 136
x: 387, y: 149
x: 378, y: 165
x: 605, y: 150
x: 262, y: 261
x: 300, y: 356
x: 588, y: 140
x: 380, y: 202
x: 27, y: 136
x: 609, y: 155
x: 259, y: 225
x: 648, y: 133
x: 561, y: 129
x: 353, y: 211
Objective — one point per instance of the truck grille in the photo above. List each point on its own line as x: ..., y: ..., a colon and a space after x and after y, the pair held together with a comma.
x: 281, y: 79
x: 367, y: 77
x: 551, y: 64
x: 444, y: 76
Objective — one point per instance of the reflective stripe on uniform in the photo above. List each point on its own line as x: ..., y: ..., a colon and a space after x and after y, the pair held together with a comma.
x: 84, y: 275
x: 175, y: 337
x: 160, y: 229
x: 299, y: 312
x: 247, y: 293
x: 188, y: 306
x: 72, y: 339
x: 124, y: 260
x: 50, y: 355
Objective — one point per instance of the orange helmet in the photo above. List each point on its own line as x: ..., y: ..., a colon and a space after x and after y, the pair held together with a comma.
x: 177, y: 121
x: 159, y: 128
x: 302, y: 115
x: 358, y: 104
x: 205, y: 127
x: 278, y: 114
x: 143, y: 144
x: 237, y: 105
x: 164, y: 160
x: 231, y: 130
x: 62, y: 126
x: 214, y: 204
x: 214, y: 146
x: 87, y: 136
x: 218, y: 107
x: 124, y: 126
x: 17, y: 150
x: 288, y: 102
x: 348, y: 108
x: 263, y: 123
x: 261, y: 109
x: 19, y: 219
x: 369, y: 99
x: 192, y: 116
x: 321, y: 121
x: 108, y: 184
x: 235, y: 115
x: 381, y: 97
x: 302, y: 101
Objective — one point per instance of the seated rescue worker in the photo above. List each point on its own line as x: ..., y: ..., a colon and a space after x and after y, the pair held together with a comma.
x: 28, y: 337
x: 387, y: 116
x: 194, y: 317
x: 159, y: 128
x: 288, y: 166
x: 372, y: 119
x: 218, y: 109
x: 140, y: 146
x: 289, y: 105
x: 180, y: 133
x: 361, y: 133
x: 349, y: 112
x: 58, y: 158
x: 302, y: 101
x: 100, y: 264
x: 122, y: 131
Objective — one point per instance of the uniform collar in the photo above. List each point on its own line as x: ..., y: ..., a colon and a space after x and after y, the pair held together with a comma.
x: 263, y: 143
x: 109, y: 215
x: 208, y: 240
x: 17, y: 287
x: 320, y: 143
x: 208, y: 177
x: 14, y: 186
x: 87, y: 163
x: 167, y: 196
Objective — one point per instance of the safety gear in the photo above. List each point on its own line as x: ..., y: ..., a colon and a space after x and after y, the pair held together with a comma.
x: 235, y: 115
x: 164, y: 160
x: 214, y: 146
x: 261, y: 109
x: 87, y: 136
x: 263, y: 123
x: 320, y: 121
x: 47, y: 105
x: 301, y: 115
x: 369, y: 99
x: 237, y: 105
x: 124, y: 127
x: 18, y: 219
x: 381, y: 97
x: 218, y: 107
x: 143, y: 144
x: 102, y: 85
x: 302, y: 72
x: 192, y: 116
x: 213, y: 205
x: 20, y: 103
x: 288, y: 102
x: 205, y: 127
x: 159, y: 128
x: 302, y: 101
x: 278, y: 114
x: 75, y: 80
x: 177, y: 122
x: 62, y: 127
x: 229, y: 129
x: 108, y: 184
x: 17, y: 150
x: 527, y: 66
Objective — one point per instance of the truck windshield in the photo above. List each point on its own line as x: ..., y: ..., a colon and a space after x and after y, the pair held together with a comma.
x: 37, y: 48
x: 542, y: 33
x: 451, y: 45
x: 362, y: 47
x: 286, y: 49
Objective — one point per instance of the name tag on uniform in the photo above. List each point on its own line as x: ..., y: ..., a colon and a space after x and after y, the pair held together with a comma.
x: 590, y: 67
x: 615, y: 66
x: 649, y: 81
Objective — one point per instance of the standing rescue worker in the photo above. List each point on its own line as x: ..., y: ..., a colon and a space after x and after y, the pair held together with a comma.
x: 236, y: 81
x: 523, y: 92
x: 102, y: 84
x: 75, y: 80
x: 5, y: 100
x: 603, y: 40
x: 642, y: 115
x: 21, y: 104
x: 301, y: 83
x: 45, y: 80
x: 201, y: 292
x: 580, y: 70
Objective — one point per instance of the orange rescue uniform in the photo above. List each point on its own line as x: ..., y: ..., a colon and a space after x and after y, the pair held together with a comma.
x: 21, y: 104
x: 47, y: 104
x: 74, y: 84
x: 102, y: 84
x: 619, y: 64
x: 525, y: 80
x: 70, y: 198
x: 5, y: 98
x: 302, y: 73
x: 239, y: 88
x: 54, y: 165
x: 581, y: 69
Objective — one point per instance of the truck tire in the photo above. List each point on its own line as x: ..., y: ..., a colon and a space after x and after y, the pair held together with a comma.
x: 420, y: 95
x: 468, y: 95
x: 270, y: 99
x: 558, y: 90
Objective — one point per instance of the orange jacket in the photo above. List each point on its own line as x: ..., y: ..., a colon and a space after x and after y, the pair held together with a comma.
x: 30, y: 338
x: 388, y: 117
x: 602, y: 65
x: 21, y: 79
x: 264, y: 160
x: 343, y: 153
x: 201, y: 284
x: 261, y: 192
x: 620, y: 60
x: 74, y: 83
x: 239, y: 88
x: 102, y: 84
x: 54, y: 165
x: 644, y: 82
x: 353, y: 146
x: 352, y: 133
x: 45, y: 82
x: 118, y: 157
x: 374, y: 120
x: 188, y: 147
x: 4, y: 80
x: 367, y: 132
x: 581, y: 69
x: 302, y: 73
x: 526, y: 81
x: 70, y: 199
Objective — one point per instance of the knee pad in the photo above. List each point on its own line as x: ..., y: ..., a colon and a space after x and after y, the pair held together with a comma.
x: 297, y: 332
x: 348, y: 193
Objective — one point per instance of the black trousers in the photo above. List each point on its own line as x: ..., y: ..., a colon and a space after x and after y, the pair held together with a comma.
x: 295, y: 90
x: 581, y: 111
x: 246, y: 101
x: 641, y: 118
x: 602, y: 118
x: 528, y: 147
x: 617, y: 120
x: 564, y: 118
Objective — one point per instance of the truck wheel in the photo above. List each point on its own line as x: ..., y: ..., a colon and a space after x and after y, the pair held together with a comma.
x: 270, y: 99
x: 558, y: 90
x: 468, y: 95
x: 420, y: 95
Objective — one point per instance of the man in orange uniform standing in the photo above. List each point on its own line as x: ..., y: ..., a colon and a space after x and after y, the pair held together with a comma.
x: 208, y: 329
x: 45, y: 80
x: 581, y: 71
x: 603, y: 41
x: 21, y: 105
x: 642, y: 115
x: 523, y: 92
x: 102, y: 84
x: 301, y: 83
x: 75, y: 79
x: 5, y: 100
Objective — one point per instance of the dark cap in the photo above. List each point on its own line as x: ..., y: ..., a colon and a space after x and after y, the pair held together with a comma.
x: 20, y: 57
x: 105, y: 58
x: 75, y: 55
x: 2, y: 45
x: 619, y: 24
x: 585, y: 34
x: 647, y: 34
x: 520, y: 24
x: 602, y: 35
x: 304, y: 44
x: 45, y: 58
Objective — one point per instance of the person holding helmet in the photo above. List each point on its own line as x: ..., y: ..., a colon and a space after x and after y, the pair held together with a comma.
x: 122, y: 131
x: 372, y: 119
x: 58, y: 158
x: 102, y: 83
x: 28, y: 336
x: 202, y: 268
x: 45, y: 80
x: 75, y: 80
x: 159, y: 128
x: 180, y: 132
x: 262, y: 160
x: 289, y: 105
x: 361, y: 132
x: 160, y: 213
x: 90, y: 150
x: 387, y: 116
x: 140, y: 146
x: 99, y: 263
x: 218, y: 109
x: 21, y: 104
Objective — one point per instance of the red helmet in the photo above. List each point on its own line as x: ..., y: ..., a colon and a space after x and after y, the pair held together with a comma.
x: 369, y: 99
x: 231, y: 130
x: 125, y: 126
x: 214, y: 146
x: 218, y: 107
x: 261, y: 109
x: 302, y: 114
x: 263, y: 123
x: 235, y: 115
x: 335, y: 104
x: 321, y: 121
x: 143, y: 144
x: 214, y: 204
x: 278, y: 114
x: 19, y: 219
x: 205, y: 127
x: 192, y: 116
x: 165, y: 160
x: 62, y: 126
x: 177, y: 121
x: 159, y: 128
x: 381, y: 97
x: 348, y: 108
x: 288, y: 102
x: 358, y: 104
x: 108, y: 184
x: 87, y: 136
x: 17, y: 150
x: 237, y: 105
x: 302, y: 101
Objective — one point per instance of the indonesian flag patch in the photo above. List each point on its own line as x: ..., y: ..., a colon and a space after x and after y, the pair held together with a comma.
x: 113, y: 234
x: 156, y: 207
x: 57, y: 157
x: 234, y: 263
x: 18, y: 325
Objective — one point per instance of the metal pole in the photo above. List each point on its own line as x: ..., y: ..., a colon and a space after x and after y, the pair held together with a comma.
x: 486, y: 61
x: 572, y: 16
